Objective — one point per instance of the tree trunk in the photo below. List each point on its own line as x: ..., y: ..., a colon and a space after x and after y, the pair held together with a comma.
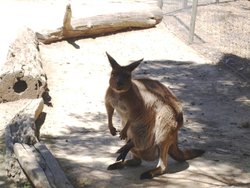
x: 21, y: 129
x: 22, y: 75
x: 25, y: 153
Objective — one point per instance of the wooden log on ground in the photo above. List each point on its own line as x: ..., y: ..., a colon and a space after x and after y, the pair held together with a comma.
x: 21, y: 129
x: 122, y: 15
x: 40, y: 166
x: 24, y: 148
x: 22, y: 75
x: 52, y: 168
x: 30, y: 166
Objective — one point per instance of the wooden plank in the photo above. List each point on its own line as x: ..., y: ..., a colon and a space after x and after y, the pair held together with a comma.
x: 59, y: 179
x: 30, y: 166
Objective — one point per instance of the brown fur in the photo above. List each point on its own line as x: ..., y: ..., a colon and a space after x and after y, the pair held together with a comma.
x: 151, y: 117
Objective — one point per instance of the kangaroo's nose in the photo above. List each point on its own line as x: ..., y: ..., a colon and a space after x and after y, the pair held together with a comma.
x: 119, y: 82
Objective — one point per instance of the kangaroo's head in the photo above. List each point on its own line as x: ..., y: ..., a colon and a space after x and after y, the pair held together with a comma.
x: 120, y: 79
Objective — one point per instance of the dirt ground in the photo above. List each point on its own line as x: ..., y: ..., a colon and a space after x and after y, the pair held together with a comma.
x: 214, y: 88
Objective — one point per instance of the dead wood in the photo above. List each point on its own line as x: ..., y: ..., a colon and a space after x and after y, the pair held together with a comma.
x: 135, y: 14
x: 30, y: 166
x: 22, y: 75
x: 21, y: 129
x: 25, y: 155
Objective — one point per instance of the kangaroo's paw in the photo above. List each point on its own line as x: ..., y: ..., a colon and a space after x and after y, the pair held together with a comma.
x: 112, y: 130
x: 123, y: 135
x: 117, y: 165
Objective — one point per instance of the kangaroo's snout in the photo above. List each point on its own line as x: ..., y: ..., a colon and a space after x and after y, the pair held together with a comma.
x: 119, y: 82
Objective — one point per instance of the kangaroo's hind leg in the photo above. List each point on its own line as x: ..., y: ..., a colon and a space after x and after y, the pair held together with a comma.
x: 162, y: 164
x: 135, y: 161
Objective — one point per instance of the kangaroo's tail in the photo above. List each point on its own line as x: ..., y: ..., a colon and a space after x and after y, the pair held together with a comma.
x: 184, y: 155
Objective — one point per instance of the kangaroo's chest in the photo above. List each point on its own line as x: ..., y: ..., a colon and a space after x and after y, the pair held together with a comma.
x: 121, y: 107
x: 127, y: 108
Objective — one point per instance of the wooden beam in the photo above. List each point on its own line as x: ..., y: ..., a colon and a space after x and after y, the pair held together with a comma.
x: 53, y: 170
x: 30, y: 166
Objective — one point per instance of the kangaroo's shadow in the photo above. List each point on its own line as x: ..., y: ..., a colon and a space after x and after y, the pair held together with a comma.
x: 174, y: 167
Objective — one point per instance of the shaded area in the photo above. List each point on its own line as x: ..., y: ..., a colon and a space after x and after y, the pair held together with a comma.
x: 238, y: 65
x: 216, y: 109
x: 216, y: 106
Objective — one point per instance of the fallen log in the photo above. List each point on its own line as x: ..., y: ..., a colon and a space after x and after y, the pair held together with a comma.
x: 40, y: 166
x: 22, y: 75
x: 30, y: 166
x: 26, y: 156
x: 21, y: 129
x: 52, y: 168
x: 123, y: 15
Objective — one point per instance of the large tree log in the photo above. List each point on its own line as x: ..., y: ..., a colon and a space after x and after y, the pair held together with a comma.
x: 23, y: 147
x: 22, y: 75
x: 52, y: 168
x: 30, y: 165
x: 21, y: 129
x: 40, y: 166
x: 122, y: 16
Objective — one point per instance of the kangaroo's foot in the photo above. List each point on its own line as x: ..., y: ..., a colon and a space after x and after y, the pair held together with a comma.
x: 120, y: 164
x: 133, y: 162
x: 116, y: 165
x: 151, y: 173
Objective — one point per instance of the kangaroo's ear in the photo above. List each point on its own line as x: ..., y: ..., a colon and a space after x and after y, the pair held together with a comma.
x: 133, y: 65
x: 112, y: 62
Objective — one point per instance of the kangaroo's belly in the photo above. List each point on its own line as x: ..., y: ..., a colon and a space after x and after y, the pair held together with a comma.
x: 143, y: 137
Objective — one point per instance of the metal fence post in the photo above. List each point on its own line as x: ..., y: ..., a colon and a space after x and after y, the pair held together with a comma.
x: 184, y: 3
x: 193, y: 19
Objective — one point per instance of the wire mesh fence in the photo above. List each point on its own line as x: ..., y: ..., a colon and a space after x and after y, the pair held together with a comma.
x: 222, y: 26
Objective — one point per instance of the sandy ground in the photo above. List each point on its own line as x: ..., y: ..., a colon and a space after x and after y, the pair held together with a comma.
x: 216, y: 107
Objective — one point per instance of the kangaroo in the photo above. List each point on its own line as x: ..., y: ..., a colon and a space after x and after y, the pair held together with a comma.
x: 151, y: 117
